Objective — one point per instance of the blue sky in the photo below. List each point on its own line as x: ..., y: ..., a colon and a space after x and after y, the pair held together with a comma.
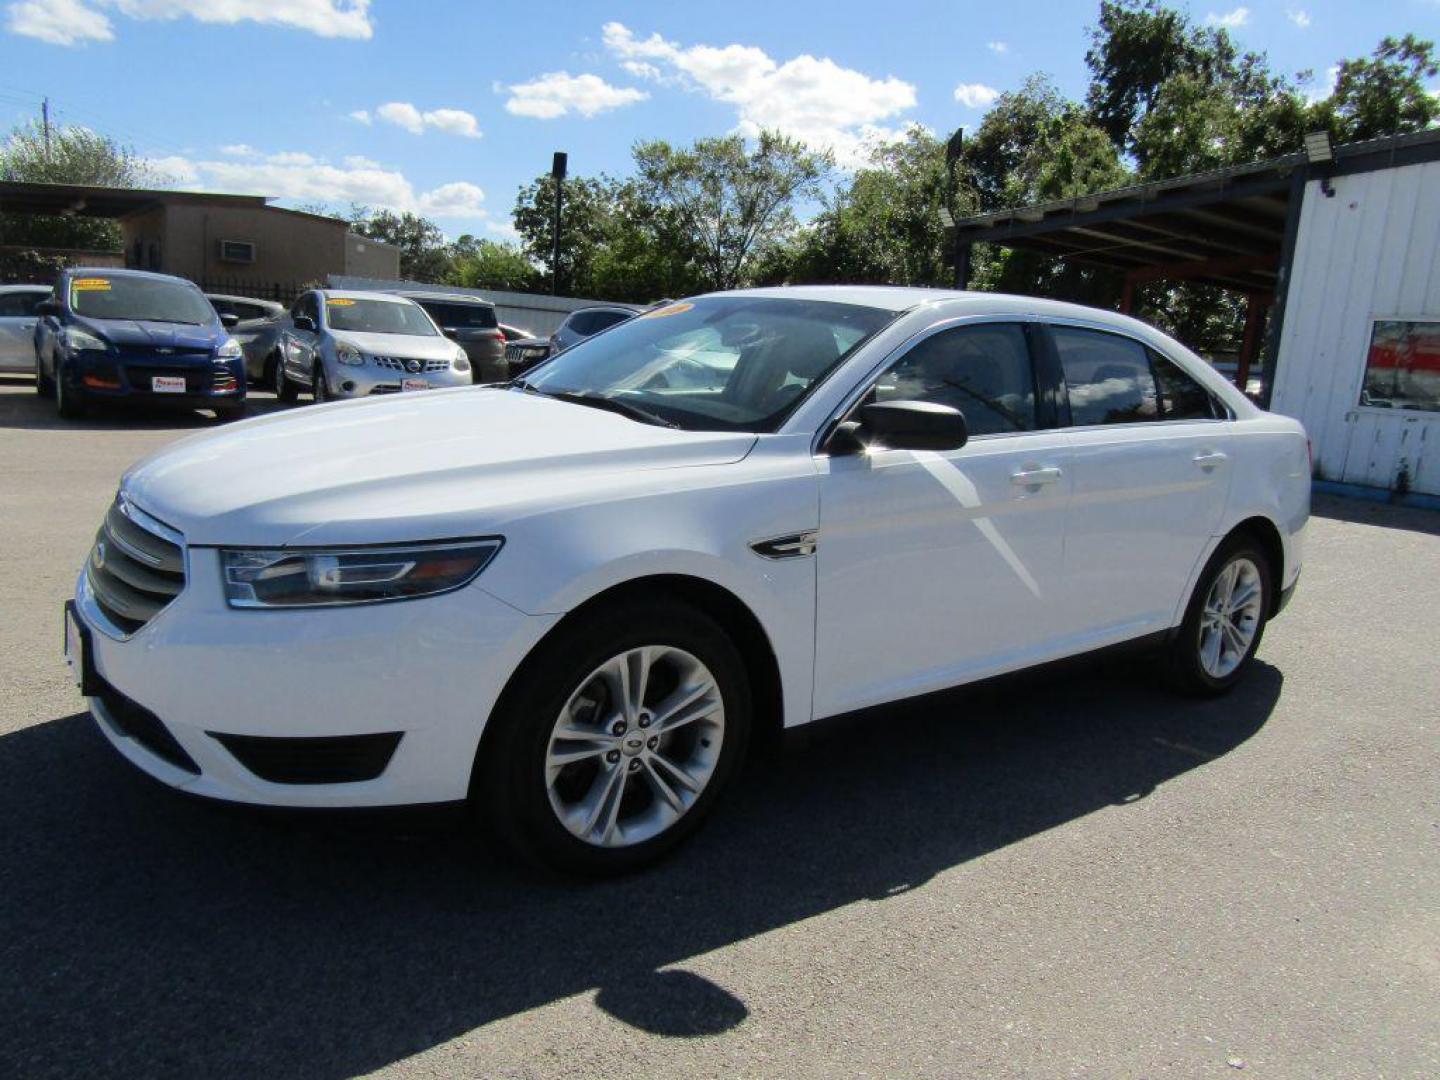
x: 447, y: 106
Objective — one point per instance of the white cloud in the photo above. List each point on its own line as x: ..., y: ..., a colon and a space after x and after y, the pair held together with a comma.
x: 361, y: 116
x: 68, y: 22
x: 1299, y: 16
x: 239, y: 150
x: 1231, y: 20
x: 997, y: 47
x: 405, y: 115
x: 300, y: 176
x: 815, y: 100
x: 558, y: 93
x: 975, y: 95
x: 60, y: 22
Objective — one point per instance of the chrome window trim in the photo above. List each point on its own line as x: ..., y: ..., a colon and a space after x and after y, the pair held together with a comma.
x: 899, y: 352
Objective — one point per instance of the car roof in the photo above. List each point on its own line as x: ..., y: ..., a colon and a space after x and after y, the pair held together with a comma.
x: 632, y: 309
x: 25, y: 288
x: 115, y: 271
x: 454, y: 298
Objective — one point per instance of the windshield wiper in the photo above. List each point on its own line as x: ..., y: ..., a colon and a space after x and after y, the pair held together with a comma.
x: 600, y: 401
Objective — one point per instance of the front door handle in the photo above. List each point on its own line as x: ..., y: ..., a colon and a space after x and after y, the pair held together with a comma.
x: 1033, y: 477
x: 1208, y: 459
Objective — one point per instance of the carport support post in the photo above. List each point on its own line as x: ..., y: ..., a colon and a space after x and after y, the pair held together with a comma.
x: 962, y: 266
x: 1254, y: 319
x: 1282, y: 283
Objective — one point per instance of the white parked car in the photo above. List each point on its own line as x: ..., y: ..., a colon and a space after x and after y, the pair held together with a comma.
x: 17, y: 326
x: 343, y: 344
x: 577, y: 604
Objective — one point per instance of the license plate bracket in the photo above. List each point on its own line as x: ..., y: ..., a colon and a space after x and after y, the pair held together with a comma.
x: 78, y: 653
x: 167, y: 384
x: 407, y: 385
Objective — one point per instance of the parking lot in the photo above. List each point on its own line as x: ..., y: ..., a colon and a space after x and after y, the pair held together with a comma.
x: 1069, y: 874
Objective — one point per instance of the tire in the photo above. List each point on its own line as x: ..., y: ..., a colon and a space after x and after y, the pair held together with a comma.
x: 69, y: 403
x: 1207, y: 657
x: 319, y: 388
x: 524, y: 795
x: 227, y: 414
x: 44, y: 386
x: 285, y: 390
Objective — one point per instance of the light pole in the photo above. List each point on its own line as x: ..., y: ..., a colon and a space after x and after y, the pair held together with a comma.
x: 557, y: 172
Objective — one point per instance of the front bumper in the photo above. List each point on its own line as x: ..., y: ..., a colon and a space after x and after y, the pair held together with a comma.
x: 363, y: 381
x: 129, y: 377
x: 234, y: 688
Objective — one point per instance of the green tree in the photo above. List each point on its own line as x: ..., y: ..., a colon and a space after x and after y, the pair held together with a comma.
x: 731, y: 202
x: 424, y: 255
x: 73, y: 155
x: 589, y: 209
x: 489, y: 264
x: 1385, y: 94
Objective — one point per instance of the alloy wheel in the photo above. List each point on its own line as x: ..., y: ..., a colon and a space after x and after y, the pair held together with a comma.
x: 635, y: 746
x: 1231, y: 617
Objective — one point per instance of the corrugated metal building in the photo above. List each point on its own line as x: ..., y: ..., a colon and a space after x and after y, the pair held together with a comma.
x: 1337, y: 252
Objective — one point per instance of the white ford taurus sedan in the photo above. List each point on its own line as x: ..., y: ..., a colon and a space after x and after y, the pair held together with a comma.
x: 576, y: 598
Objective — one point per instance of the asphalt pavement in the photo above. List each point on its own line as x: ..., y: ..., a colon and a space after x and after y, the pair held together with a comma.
x: 1072, y: 873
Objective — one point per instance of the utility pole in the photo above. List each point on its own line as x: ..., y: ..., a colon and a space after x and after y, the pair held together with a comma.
x: 558, y: 167
x: 45, y: 122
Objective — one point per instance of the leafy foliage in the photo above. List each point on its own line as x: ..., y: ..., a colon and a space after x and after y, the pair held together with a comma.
x: 423, y: 256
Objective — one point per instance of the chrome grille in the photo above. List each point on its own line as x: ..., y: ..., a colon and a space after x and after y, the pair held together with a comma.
x: 136, y: 567
x: 401, y: 363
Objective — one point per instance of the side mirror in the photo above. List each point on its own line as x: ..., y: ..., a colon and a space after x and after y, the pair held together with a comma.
x: 902, y: 425
x: 229, y: 320
x: 305, y: 322
x: 449, y: 331
x: 48, y: 307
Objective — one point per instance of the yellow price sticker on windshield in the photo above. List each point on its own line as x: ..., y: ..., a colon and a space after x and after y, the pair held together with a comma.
x: 340, y: 301
x: 90, y: 284
x: 668, y: 309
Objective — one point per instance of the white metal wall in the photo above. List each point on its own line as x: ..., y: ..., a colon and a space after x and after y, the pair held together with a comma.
x: 1370, y: 251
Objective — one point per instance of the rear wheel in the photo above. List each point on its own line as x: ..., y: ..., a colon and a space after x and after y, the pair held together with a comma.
x: 1225, y: 621
x: 615, y: 739
x: 285, y: 390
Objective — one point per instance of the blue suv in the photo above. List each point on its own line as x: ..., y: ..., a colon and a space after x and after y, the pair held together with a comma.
x: 125, y: 335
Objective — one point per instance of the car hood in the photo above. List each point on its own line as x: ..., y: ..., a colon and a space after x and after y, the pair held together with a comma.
x: 425, y: 465
x: 423, y: 348
x: 141, y: 333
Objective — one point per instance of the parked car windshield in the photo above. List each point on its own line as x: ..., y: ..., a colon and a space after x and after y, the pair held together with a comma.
x: 377, y: 316
x: 98, y: 296
x: 738, y: 363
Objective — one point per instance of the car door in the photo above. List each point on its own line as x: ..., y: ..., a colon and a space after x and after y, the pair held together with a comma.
x: 17, y: 328
x: 935, y: 568
x: 1151, y: 476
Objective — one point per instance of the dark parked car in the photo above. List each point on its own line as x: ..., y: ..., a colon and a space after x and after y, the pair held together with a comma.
x: 257, y: 328
x: 472, y: 323
x: 126, y: 335
x: 589, y: 321
x: 524, y: 353
x: 514, y: 333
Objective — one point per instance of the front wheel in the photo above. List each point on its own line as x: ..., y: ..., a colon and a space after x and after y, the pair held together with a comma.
x: 319, y: 388
x: 615, y: 738
x: 1225, y: 621
x: 69, y: 403
x: 228, y: 413
x: 44, y: 386
x: 285, y: 390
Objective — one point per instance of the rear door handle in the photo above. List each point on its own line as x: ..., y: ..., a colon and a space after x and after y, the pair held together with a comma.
x: 1208, y: 459
x: 1033, y: 477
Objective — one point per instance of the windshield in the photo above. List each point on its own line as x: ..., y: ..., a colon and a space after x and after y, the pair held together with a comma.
x: 728, y: 363
x: 377, y: 316
x: 98, y: 296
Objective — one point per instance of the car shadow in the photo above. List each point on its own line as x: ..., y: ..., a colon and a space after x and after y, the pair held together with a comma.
x: 22, y: 408
x: 1360, y: 511
x: 147, y: 934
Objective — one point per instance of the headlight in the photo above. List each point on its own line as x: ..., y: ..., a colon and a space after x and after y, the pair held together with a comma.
x: 76, y: 339
x: 349, y: 354
x: 229, y: 351
x: 461, y: 361
x: 326, y: 578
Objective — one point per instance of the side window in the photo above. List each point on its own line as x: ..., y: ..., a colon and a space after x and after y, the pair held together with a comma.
x: 13, y: 305
x: 1181, y: 397
x: 308, y: 307
x: 1107, y: 377
x: 984, y: 371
